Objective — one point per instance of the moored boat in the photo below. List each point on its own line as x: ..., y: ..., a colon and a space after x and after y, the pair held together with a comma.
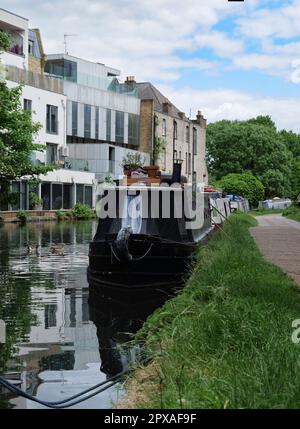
x: 149, y: 241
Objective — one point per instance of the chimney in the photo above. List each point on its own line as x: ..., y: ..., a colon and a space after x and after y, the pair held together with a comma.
x: 166, y: 107
x: 200, y: 119
x: 130, y: 81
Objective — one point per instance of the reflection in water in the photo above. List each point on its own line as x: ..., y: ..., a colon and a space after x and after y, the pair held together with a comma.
x: 54, y: 330
x: 116, y: 323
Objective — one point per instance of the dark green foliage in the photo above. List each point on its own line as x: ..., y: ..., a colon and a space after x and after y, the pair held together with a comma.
x: 252, y: 146
x: 243, y: 184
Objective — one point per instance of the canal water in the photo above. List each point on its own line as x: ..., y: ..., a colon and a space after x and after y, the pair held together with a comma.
x: 61, y: 337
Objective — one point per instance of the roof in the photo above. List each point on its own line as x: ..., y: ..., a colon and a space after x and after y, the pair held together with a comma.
x: 147, y: 91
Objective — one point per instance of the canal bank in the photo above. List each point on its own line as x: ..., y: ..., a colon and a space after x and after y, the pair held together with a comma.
x: 226, y: 340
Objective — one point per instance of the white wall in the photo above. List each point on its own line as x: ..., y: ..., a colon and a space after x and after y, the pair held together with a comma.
x: 97, y: 157
x: 40, y: 98
x: 12, y: 21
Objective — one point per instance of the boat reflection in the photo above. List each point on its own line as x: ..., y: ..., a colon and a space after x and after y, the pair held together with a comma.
x: 116, y: 323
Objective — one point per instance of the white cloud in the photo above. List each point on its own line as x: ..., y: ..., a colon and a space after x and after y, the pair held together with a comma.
x: 230, y: 104
x: 140, y: 37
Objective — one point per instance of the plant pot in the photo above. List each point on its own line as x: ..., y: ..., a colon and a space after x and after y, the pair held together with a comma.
x: 151, y: 170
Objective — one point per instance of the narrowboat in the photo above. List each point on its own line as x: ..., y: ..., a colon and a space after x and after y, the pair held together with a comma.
x: 146, y: 241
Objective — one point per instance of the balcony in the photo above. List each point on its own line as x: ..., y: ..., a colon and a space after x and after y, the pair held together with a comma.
x: 36, y: 80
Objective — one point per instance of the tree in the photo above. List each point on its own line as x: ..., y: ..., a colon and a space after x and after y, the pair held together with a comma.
x: 243, y: 184
x: 17, y: 131
x: 252, y: 146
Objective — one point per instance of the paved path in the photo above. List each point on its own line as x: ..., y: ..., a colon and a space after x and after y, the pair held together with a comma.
x: 279, y: 240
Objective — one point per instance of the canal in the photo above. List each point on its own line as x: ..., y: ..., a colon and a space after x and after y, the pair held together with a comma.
x: 61, y: 337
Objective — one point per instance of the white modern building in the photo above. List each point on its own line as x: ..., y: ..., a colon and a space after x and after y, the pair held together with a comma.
x: 44, y: 97
x: 103, y: 116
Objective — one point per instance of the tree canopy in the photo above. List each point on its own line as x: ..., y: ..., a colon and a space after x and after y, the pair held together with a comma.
x: 17, y: 132
x: 243, y: 184
x: 255, y: 147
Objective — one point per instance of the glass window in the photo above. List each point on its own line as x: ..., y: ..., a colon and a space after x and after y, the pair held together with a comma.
x: 65, y: 69
x: 56, y: 196
x: 46, y: 195
x: 97, y: 123
x: 190, y: 164
x: 74, y: 118
x: 87, y: 121
x: 31, y: 47
x: 133, y: 129
x: 67, y: 203
x: 80, y: 194
x: 194, y: 141
x: 111, y: 158
x: 186, y: 163
x: 187, y: 134
x: 51, y: 153
x: 164, y: 128
x: 108, y: 125
x: 88, y: 194
x: 120, y: 127
x: 175, y: 130
x: 16, y: 189
x: 27, y: 105
x: 52, y: 119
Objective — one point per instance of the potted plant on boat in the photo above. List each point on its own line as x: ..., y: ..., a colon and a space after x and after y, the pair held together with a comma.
x: 131, y: 162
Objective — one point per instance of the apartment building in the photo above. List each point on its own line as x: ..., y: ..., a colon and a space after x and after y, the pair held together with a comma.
x: 165, y: 127
x: 45, y: 99
x: 103, y: 116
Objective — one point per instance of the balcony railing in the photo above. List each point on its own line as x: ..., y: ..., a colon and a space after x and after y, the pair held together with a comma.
x: 36, y: 80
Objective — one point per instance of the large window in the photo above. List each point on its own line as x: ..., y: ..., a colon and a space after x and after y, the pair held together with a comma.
x: 97, y: 123
x: 175, y: 135
x: 74, y: 118
x: 187, y: 134
x: 194, y: 141
x: 87, y: 121
x: 164, y: 128
x: 84, y: 194
x: 120, y: 127
x: 108, y: 125
x: 52, y: 119
x: 63, y: 68
x: 57, y: 196
x: 51, y: 153
x: 133, y: 129
x: 111, y: 159
x: 46, y: 195
x: 67, y: 196
x: 27, y: 105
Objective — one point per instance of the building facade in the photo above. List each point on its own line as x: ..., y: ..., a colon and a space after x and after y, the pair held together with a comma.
x: 103, y: 116
x: 169, y: 135
x: 44, y: 97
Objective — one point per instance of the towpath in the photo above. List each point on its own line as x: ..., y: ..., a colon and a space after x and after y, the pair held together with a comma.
x: 279, y: 241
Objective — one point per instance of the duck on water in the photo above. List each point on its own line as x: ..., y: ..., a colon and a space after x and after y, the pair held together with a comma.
x: 146, y: 241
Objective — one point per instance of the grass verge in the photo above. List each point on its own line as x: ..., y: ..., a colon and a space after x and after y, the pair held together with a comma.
x: 225, y: 341
x: 292, y: 213
x: 261, y: 212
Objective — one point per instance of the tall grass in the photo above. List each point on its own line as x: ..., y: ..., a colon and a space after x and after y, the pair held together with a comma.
x: 225, y: 341
x: 292, y: 213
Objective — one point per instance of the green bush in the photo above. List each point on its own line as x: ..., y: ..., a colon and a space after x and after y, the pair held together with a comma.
x: 60, y: 215
x: 82, y: 212
x: 244, y: 184
x: 22, y: 216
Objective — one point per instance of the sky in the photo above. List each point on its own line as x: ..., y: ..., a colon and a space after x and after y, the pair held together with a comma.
x: 231, y: 60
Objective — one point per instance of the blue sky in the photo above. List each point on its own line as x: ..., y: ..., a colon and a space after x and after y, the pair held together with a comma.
x: 231, y: 60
